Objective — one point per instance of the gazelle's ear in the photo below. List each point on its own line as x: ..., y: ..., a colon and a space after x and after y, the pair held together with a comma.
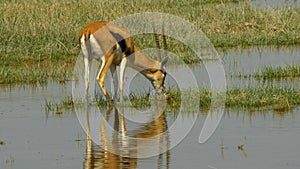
x: 164, y: 62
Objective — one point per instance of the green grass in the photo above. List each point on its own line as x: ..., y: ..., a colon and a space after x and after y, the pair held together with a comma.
x: 282, y: 72
x: 39, y: 37
x: 290, y: 71
x: 264, y: 98
x: 35, y: 71
x: 66, y: 103
x: 259, y: 98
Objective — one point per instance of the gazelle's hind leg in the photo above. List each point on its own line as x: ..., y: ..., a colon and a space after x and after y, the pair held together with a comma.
x: 105, y: 65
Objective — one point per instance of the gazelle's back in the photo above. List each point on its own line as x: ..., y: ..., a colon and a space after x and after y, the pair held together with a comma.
x: 106, y: 36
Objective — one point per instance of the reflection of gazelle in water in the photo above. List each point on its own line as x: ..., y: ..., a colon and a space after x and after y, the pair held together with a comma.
x: 96, y: 157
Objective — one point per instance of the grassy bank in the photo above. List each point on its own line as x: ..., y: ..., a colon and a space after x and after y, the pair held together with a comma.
x: 269, y: 98
x: 39, y: 38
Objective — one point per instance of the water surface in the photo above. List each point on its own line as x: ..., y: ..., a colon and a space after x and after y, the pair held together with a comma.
x: 34, y: 138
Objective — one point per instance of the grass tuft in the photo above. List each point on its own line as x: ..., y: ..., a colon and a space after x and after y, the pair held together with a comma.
x: 259, y: 98
x: 290, y: 71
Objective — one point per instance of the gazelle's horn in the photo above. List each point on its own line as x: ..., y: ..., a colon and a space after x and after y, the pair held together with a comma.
x: 164, y: 41
x: 157, y: 44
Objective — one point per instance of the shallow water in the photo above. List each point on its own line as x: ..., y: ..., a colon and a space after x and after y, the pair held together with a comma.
x: 34, y: 138
x: 236, y: 62
x: 249, y: 61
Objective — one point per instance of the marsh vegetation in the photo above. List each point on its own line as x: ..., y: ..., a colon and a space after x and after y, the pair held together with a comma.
x: 39, y: 41
x: 38, y: 116
x: 39, y: 38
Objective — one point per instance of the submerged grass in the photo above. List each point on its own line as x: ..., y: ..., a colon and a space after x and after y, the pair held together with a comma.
x: 259, y: 98
x: 290, y: 71
x: 51, y: 106
x: 39, y: 37
x: 277, y: 73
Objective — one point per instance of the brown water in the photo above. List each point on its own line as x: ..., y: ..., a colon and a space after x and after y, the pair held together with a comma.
x: 36, y: 139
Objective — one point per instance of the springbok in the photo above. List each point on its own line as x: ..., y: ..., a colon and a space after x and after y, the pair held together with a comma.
x: 114, y: 46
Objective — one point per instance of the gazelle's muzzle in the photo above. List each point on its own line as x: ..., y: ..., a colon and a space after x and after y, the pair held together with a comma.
x: 161, y: 90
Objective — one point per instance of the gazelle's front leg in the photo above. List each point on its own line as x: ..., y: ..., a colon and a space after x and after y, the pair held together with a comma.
x: 122, y: 72
x: 85, y: 50
x: 87, y: 67
x: 115, y: 81
x: 106, y: 63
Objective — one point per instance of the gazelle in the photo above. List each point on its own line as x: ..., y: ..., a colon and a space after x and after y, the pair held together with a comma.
x: 113, y: 45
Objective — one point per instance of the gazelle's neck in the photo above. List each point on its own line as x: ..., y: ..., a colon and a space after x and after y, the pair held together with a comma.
x: 141, y: 62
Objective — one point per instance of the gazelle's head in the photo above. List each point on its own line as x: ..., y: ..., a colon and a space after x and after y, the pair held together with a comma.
x: 159, y: 76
